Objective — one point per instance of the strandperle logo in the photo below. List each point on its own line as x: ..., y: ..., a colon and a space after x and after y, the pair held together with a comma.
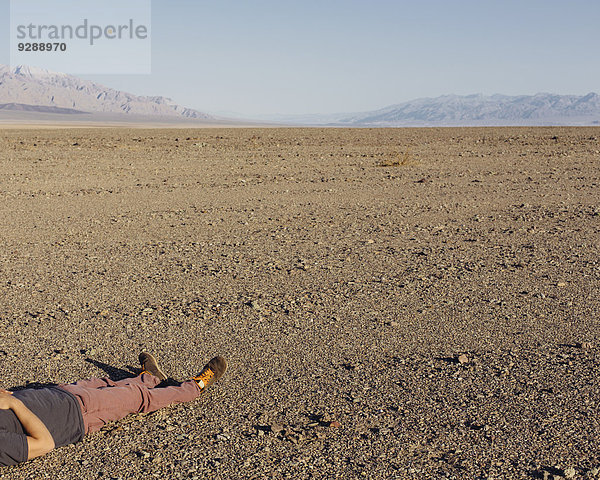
x: 82, y: 36
x: 84, y: 31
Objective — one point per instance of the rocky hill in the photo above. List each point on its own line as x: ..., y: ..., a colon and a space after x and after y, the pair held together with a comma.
x: 33, y: 89
x: 455, y: 110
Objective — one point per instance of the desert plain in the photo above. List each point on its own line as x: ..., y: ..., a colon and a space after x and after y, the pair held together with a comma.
x: 393, y: 303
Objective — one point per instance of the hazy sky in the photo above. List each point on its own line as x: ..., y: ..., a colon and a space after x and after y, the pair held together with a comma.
x: 317, y: 56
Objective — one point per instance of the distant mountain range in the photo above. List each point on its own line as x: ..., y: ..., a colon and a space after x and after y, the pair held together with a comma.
x: 32, y: 93
x: 30, y: 89
x: 469, y: 110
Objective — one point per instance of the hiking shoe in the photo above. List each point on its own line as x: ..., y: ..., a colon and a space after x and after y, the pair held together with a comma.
x: 211, y: 372
x: 150, y: 365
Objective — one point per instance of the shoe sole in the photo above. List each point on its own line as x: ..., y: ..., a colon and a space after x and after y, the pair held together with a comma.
x: 161, y: 375
x: 218, y: 365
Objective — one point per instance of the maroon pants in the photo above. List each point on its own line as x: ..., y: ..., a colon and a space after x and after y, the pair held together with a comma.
x: 103, y: 400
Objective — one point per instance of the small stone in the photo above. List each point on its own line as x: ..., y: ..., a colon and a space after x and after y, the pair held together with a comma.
x: 583, y: 345
x: 392, y: 323
x: 569, y: 472
x: 335, y: 424
x: 276, y: 428
x: 546, y: 475
x: 462, y: 359
x: 561, y: 284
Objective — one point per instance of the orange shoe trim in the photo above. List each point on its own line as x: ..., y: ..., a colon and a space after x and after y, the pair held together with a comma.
x: 203, y: 379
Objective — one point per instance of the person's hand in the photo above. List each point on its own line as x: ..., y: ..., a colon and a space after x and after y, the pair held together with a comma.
x: 6, y: 399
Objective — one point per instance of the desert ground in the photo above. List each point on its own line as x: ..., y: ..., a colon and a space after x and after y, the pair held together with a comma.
x: 393, y: 303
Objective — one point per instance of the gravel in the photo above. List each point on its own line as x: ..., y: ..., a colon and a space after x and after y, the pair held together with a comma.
x: 435, y: 319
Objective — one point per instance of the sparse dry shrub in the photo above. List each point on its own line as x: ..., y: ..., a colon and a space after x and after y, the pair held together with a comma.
x: 398, y: 159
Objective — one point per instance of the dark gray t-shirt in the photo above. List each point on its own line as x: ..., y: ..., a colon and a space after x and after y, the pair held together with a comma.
x: 56, y: 408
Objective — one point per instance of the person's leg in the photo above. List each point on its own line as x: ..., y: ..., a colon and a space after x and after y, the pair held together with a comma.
x: 103, y: 400
x: 106, y: 404
x: 145, y: 378
x: 90, y: 383
x: 150, y: 372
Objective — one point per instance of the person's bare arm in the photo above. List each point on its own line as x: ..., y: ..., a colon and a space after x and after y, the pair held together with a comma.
x: 39, y: 439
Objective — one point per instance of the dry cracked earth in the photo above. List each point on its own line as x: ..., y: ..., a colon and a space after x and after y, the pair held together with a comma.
x: 393, y: 303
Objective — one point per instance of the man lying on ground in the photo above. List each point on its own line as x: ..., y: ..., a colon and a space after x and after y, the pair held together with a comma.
x: 35, y: 421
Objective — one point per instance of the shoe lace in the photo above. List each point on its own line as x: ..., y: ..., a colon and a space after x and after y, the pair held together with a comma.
x: 204, y: 377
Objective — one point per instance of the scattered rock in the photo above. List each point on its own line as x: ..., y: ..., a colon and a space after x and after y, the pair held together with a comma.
x: 463, y: 359
x: 253, y: 304
x: 276, y: 428
x: 142, y: 454
x: 546, y: 475
x: 343, y: 341
x: 569, y: 472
